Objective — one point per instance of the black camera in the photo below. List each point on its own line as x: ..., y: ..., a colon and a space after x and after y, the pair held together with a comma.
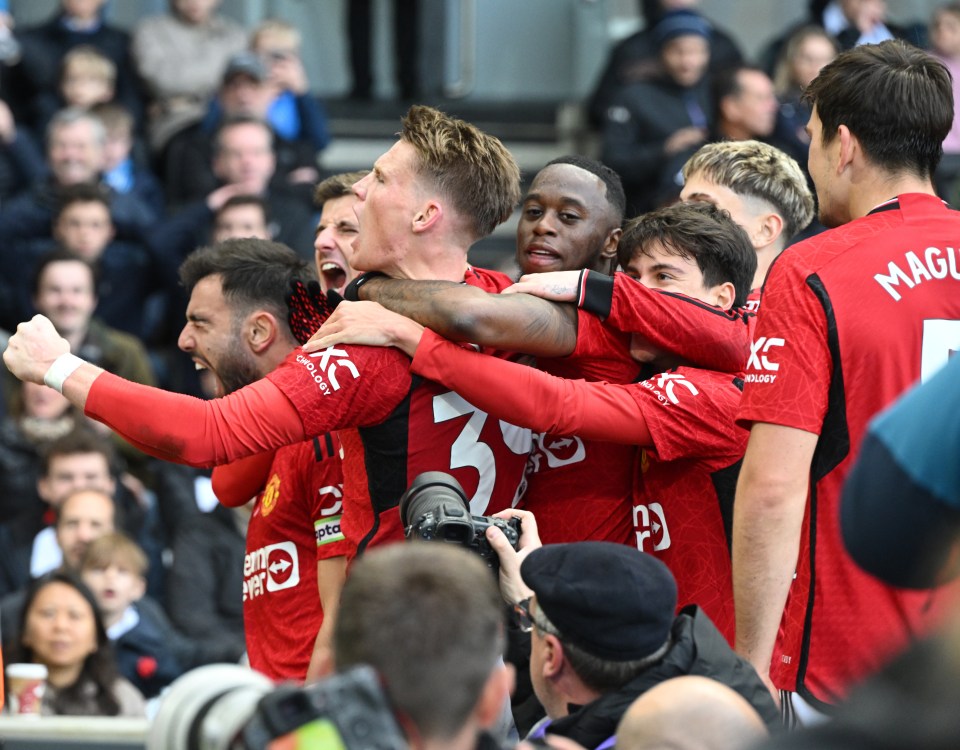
x: 227, y: 707
x: 435, y: 508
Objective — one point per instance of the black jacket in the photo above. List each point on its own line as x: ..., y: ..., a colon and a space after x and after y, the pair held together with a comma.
x: 698, y: 649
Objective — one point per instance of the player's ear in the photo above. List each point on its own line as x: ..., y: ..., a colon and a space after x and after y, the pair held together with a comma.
x: 610, y: 244
x: 724, y: 294
x: 260, y: 330
x: 428, y: 215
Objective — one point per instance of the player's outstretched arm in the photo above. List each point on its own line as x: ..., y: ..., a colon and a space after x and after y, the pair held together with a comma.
x: 515, y: 322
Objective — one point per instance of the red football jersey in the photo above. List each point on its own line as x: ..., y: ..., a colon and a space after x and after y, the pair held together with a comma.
x: 581, y: 489
x: 674, y: 329
x: 850, y: 319
x: 407, y: 426
x: 295, y: 522
x: 685, y: 484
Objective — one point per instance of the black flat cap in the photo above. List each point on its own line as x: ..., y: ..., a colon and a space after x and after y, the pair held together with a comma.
x: 611, y: 600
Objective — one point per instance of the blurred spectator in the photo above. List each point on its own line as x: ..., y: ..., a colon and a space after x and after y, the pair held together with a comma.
x: 406, y: 20
x: 205, y: 586
x: 650, y: 122
x: 807, y: 50
x: 125, y: 168
x: 181, y: 58
x: 241, y: 216
x: 75, y: 155
x: 21, y: 161
x: 850, y: 22
x: 38, y: 415
x: 637, y: 57
x: 61, y: 629
x: 245, y: 93
x: 293, y: 114
x: 34, y: 80
x: 127, y: 274
x: 945, y: 46
x: 76, y: 460
x: 690, y: 713
x: 114, y: 567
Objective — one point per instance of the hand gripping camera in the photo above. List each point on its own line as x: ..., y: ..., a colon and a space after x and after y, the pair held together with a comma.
x: 435, y: 508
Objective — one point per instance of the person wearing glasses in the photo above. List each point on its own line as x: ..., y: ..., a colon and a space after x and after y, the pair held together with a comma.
x: 604, y: 629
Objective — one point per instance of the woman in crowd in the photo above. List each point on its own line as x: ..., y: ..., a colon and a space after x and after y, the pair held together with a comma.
x: 61, y: 628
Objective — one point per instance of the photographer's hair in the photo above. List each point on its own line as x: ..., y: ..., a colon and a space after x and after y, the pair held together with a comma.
x: 337, y: 186
x: 896, y: 99
x: 429, y: 618
x: 99, y: 668
x: 72, y: 115
x: 80, y: 440
x: 115, y: 549
x: 62, y: 255
x: 600, y: 675
x: 470, y: 168
x: 611, y: 180
x: 253, y: 274
x: 701, y: 232
x: 758, y: 170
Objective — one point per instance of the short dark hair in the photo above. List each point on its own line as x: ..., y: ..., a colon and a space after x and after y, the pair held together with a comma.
x: 82, y: 192
x: 896, y: 99
x: 429, y: 618
x: 233, y: 121
x: 337, y: 186
x: 79, y: 440
x: 253, y: 273
x: 62, y: 255
x: 473, y: 169
x: 245, y: 200
x: 99, y: 668
x: 700, y: 231
x: 615, y: 194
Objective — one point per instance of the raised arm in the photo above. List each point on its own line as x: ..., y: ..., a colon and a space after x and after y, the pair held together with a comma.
x: 516, y: 322
x: 170, y: 426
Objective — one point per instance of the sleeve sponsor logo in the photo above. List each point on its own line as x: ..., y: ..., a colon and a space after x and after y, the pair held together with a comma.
x: 327, y: 527
x: 328, y: 530
x: 330, y: 366
x: 664, y: 387
x: 761, y: 364
x: 272, y: 568
x: 650, y: 526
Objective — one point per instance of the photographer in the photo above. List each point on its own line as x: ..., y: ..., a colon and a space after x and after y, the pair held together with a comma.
x: 428, y: 619
x: 603, y: 631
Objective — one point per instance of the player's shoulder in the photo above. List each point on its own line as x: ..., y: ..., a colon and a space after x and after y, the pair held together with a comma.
x: 486, y: 279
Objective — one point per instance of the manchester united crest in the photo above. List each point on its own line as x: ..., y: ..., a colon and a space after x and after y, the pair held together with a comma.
x: 270, y: 495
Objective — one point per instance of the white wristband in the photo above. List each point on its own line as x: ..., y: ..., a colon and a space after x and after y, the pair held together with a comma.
x: 61, y: 369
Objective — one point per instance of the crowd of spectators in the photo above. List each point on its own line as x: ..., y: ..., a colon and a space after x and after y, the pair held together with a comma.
x: 638, y: 577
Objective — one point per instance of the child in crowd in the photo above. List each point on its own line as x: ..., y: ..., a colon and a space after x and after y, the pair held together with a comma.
x: 88, y: 78
x: 123, y: 170
x: 114, y: 567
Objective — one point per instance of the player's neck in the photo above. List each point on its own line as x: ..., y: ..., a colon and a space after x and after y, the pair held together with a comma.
x: 880, y: 186
x: 448, y: 264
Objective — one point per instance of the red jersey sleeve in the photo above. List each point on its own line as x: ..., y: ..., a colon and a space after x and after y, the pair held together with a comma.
x: 689, y: 413
x: 340, y: 387
x: 237, y: 482
x: 789, y: 368
x: 192, y: 431
x: 670, y: 323
x: 534, y: 399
